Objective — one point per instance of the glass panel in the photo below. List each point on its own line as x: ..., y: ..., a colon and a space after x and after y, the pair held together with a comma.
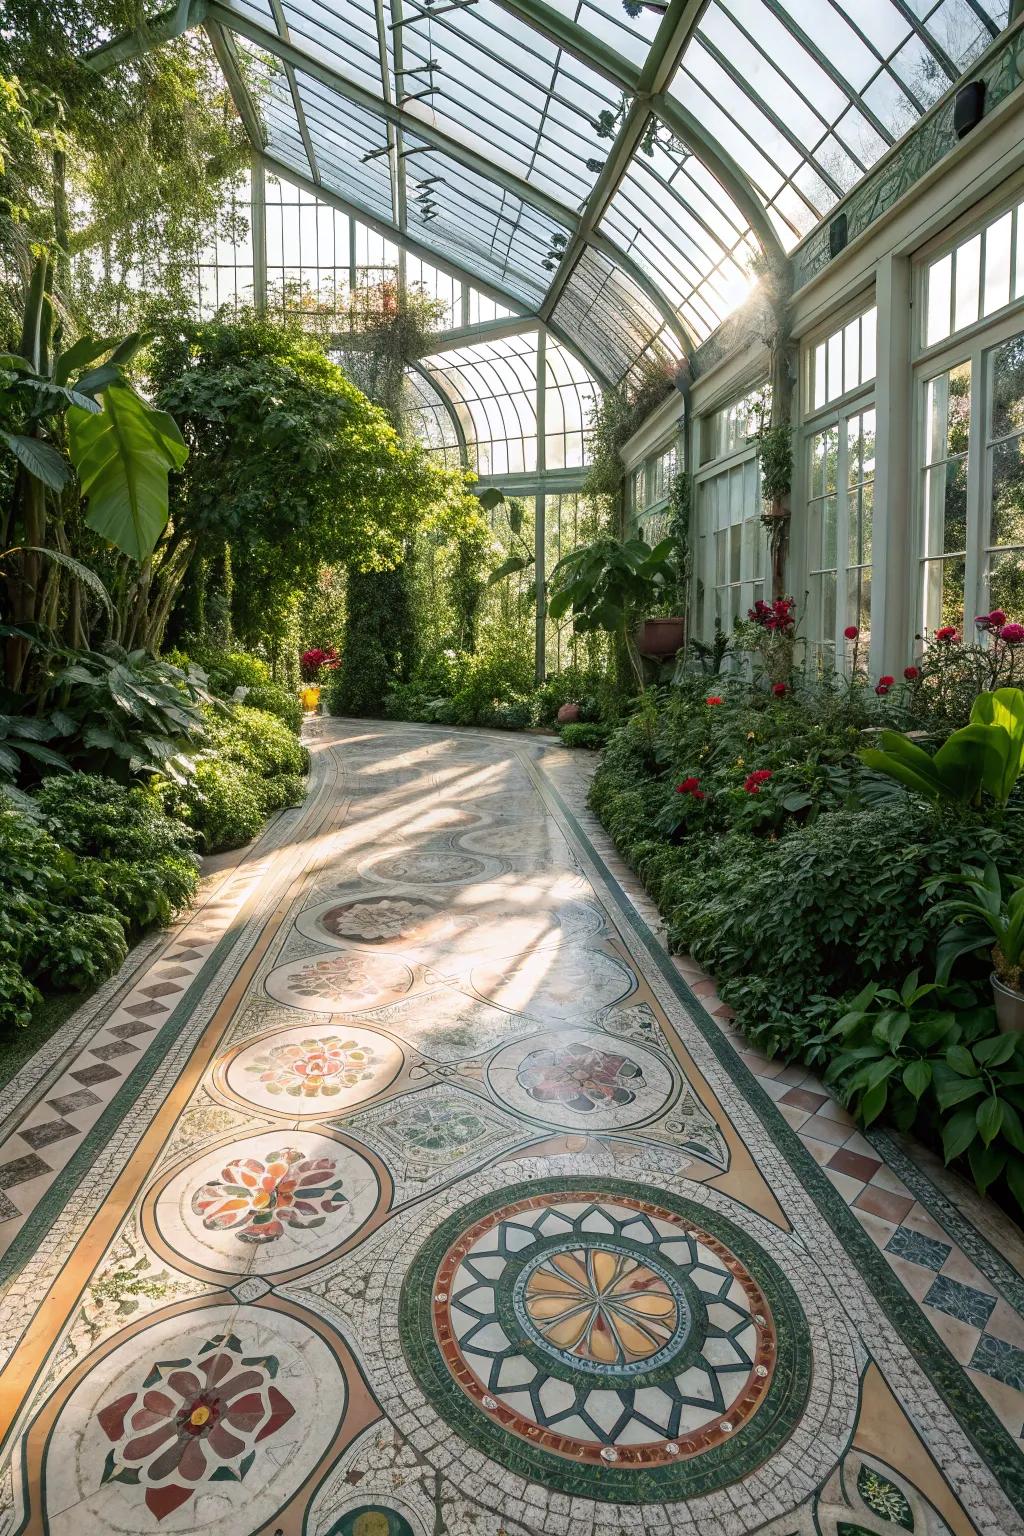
x: 967, y: 283
x: 939, y: 297
x: 983, y: 273
x: 1006, y: 582
x: 844, y: 361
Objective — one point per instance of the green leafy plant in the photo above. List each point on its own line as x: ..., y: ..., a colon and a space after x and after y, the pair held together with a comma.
x: 982, y: 918
x: 881, y: 1051
x: 609, y: 584
x: 584, y: 733
x: 985, y: 756
x: 776, y: 457
x: 979, y: 1089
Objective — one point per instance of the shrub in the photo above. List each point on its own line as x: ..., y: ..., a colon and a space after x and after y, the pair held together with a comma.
x: 225, y: 803
x: 58, y: 928
x: 582, y: 734
x: 228, y: 670
x: 254, y: 739
x: 275, y: 700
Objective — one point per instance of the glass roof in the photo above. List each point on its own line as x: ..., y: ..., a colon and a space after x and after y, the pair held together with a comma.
x: 612, y: 175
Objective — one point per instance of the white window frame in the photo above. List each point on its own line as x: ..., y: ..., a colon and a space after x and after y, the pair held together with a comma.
x: 974, y: 345
x: 704, y: 583
x: 836, y: 414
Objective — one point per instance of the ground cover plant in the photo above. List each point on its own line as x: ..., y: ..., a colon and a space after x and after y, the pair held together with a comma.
x: 809, y: 854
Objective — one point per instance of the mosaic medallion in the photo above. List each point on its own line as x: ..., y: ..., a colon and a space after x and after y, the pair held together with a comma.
x: 208, y: 1420
x: 339, y: 983
x: 438, y: 930
x: 432, y: 867
x: 561, y: 1326
x: 371, y: 1520
x: 267, y: 1203
x: 570, y: 985
x: 581, y: 1079
x: 298, y: 1073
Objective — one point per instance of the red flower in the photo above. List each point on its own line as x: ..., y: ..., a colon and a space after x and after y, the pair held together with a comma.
x: 947, y: 633
x: 910, y: 673
x: 1013, y: 634
x: 687, y: 787
x: 851, y: 632
x: 882, y: 689
x: 886, y: 682
x: 714, y: 698
x: 990, y: 622
x: 779, y: 689
x: 752, y: 783
x: 698, y: 794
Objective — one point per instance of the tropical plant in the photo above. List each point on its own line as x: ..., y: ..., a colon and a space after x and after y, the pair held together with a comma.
x: 985, y: 756
x: 982, y: 918
x: 63, y: 411
x: 609, y: 584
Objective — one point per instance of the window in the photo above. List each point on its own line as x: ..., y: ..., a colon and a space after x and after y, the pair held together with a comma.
x: 731, y: 557
x: 981, y: 275
x: 730, y: 429
x: 971, y: 482
x: 650, y: 484
x: 843, y: 361
x: 840, y: 470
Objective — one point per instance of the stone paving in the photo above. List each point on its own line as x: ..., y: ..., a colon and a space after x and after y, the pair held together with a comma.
x: 409, y: 1187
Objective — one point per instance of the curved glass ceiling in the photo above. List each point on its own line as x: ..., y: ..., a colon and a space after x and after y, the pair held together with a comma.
x: 611, y: 175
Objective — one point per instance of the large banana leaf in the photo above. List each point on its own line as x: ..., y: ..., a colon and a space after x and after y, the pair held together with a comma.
x: 123, y: 457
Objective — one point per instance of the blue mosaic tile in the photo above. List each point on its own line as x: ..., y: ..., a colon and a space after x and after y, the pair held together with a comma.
x: 905, y: 1243
x: 997, y: 1358
x: 964, y: 1302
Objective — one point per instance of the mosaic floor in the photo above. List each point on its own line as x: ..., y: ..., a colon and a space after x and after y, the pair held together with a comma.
x: 409, y: 1188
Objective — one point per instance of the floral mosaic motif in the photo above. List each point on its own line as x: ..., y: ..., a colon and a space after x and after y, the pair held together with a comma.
x: 371, y: 1520
x: 349, y: 980
x: 430, y: 868
x: 601, y: 1306
x: 257, y: 1199
x: 379, y: 920
x: 193, y: 1421
x: 320, y: 1067
x: 884, y: 1499
x: 438, y: 1128
x: 580, y: 1077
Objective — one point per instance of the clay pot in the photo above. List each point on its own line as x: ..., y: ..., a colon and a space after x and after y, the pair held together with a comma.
x: 568, y: 714
x: 660, y: 637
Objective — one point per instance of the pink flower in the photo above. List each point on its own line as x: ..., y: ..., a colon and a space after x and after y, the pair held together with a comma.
x: 947, y: 634
x: 752, y: 783
x: 910, y: 673
x: 851, y: 632
x: 779, y: 689
x: 714, y: 698
x: 1013, y: 634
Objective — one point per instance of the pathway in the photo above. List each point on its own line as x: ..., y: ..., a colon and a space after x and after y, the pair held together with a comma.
x: 409, y: 1188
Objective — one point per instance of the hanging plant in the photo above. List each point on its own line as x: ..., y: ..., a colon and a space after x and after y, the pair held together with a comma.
x: 679, y: 502
x: 776, y: 449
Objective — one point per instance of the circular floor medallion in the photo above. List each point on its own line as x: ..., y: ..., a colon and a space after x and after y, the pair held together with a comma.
x: 209, y: 1420
x: 581, y: 1079
x: 572, y: 985
x: 372, y: 1520
x: 267, y: 1203
x: 428, y: 867
x: 297, y: 1072
x: 340, y: 983
x: 562, y: 1325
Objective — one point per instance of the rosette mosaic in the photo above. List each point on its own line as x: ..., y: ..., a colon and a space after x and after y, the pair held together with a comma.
x: 568, y: 1326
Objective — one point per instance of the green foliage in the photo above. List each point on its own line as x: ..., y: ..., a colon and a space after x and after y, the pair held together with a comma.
x: 123, y: 457
x: 584, y: 734
x: 224, y: 802
x: 984, y: 919
x: 256, y: 740
x: 607, y: 583
x: 985, y: 756
x: 274, y: 700
x: 379, y: 646
x: 776, y: 459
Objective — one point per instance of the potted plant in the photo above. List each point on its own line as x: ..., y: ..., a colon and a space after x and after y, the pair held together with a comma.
x: 608, y: 584
x: 660, y: 638
x: 982, y: 918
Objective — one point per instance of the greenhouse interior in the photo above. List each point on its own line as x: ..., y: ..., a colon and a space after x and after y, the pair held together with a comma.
x: 512, y: 767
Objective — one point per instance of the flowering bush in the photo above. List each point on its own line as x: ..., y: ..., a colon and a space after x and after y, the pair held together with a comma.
x: 314, y: 662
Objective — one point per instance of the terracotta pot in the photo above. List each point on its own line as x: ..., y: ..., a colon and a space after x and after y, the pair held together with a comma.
x: 568, y: 714
x: 660, y: 637
x: 1009, y: 1007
